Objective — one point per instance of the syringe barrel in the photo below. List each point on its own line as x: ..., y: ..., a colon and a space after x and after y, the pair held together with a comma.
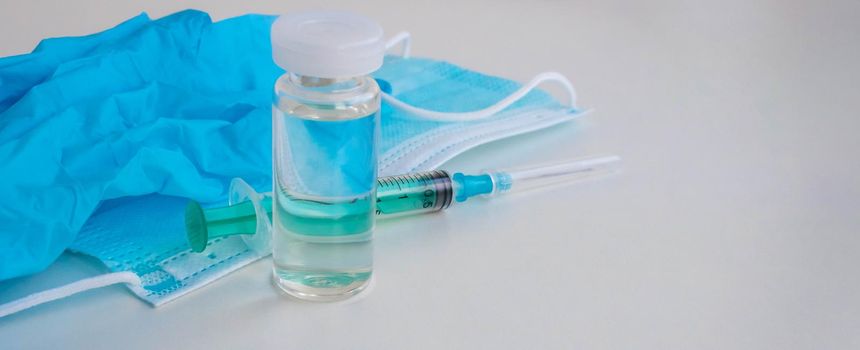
x: 414, y: 193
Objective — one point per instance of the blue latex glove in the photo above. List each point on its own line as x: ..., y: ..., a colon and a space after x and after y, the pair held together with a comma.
x: 128, y: 112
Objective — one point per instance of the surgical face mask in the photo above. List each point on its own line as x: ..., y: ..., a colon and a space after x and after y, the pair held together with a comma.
x: 432, y: 111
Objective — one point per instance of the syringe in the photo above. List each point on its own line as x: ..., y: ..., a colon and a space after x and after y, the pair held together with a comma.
x: 421, y: 192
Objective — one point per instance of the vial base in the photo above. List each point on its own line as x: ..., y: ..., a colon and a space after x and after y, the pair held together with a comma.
x: 322, y: 271
x: 320, y: 285
x: 311, y: 265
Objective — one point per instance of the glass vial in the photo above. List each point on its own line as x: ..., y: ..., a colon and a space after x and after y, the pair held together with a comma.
x: 325, y: 122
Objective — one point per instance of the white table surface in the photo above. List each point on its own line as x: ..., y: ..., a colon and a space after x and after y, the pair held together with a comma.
x: 736, y: 224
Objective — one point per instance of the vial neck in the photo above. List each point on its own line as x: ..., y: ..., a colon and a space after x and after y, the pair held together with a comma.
x: 325, y: 84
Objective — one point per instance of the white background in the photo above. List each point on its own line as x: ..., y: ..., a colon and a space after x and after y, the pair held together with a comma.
x: 736, y: 224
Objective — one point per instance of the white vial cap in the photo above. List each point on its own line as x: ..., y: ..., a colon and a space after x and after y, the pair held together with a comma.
x: 327, y: 44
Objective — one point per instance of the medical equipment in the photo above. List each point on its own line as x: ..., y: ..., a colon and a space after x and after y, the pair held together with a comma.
x: 422, y: 192
x: 172, y: 108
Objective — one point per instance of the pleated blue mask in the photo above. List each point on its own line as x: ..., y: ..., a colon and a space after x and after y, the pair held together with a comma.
x: 103, y: 139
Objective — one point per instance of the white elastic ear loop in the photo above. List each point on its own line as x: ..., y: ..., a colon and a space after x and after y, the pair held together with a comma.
x: 405, y: 39
x: 68, y: 290
x: 489, y: 111
x: 400, y: 38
